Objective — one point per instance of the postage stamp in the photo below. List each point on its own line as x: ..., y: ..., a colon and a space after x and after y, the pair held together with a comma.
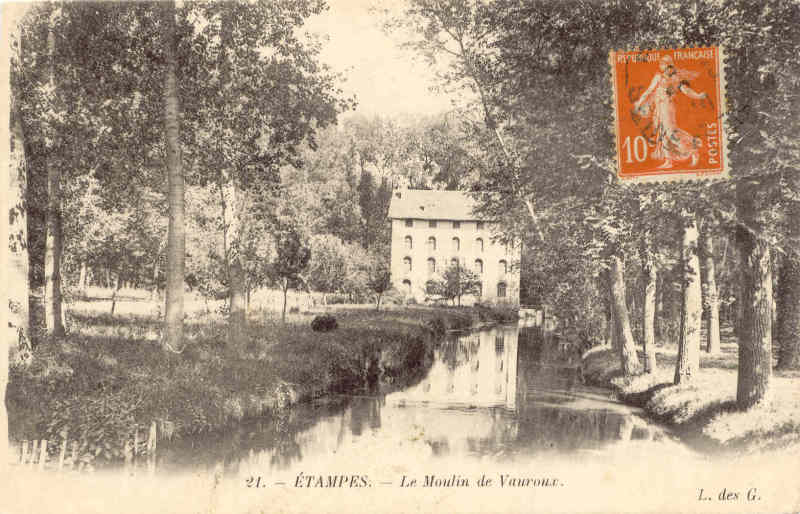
x: 669, y: 107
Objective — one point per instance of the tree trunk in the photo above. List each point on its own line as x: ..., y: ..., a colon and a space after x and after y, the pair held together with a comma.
x: 238, y: 302
x: 725, y: 305
x: 712, y: 294
x: 611, y: 339
x: 82, y: 279
x: 622, y: 326
x: 633, y: 308
x: 232, y: 206
x: 52, y: 256
x: 176, y: 235
x: 606, y: 325
x: 54, y: 240
x: 114, y: 295
x: 285, y: 294
x: 788, y: 315
x: 755, y: 338
x: 17, y: 278
x: 659, y: 315
x: 154, y: 290
x: 108, y: 277
x: 5, y: 451
x: 738, y: 312
x: 649, y: 307
x: 688, y: 363
x: 787, y: 330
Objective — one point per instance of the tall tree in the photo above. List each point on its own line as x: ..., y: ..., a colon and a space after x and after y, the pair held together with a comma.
x: 755, y: 338
x: 788, y: 315
x: 18, y: 288
x: 234, y: 261
x: 787, y: 330
x: 379, y: 281
x: 292, y: 254
x: 366, y: 200
x: 176, y: 236
x: 623, y: 332
x: 266, y: 95
x: 761, y: 43
x: 453, y: 283
x: 650, y: 275
x: 688, y: 364
x: 711, y: 291
x: 54, y: 241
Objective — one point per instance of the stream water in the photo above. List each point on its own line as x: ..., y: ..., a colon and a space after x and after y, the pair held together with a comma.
x: 502, y: 394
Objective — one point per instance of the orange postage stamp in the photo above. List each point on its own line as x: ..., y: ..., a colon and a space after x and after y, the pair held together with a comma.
x: 669, y: 109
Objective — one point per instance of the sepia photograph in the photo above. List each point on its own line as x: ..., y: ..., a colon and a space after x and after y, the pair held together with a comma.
x: 400, y: 256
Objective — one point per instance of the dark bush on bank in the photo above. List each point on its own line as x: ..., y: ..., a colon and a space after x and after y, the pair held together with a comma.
x: 497, y: 313
x: 324, y: 323
x: 437, y: 327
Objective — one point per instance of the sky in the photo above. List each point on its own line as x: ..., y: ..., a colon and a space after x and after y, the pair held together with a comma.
x: 385, y: 79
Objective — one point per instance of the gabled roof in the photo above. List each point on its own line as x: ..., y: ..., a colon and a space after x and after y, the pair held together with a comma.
x: 432, y: 205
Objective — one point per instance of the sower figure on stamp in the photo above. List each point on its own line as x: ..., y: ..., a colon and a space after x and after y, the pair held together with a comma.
x: 658, y: 102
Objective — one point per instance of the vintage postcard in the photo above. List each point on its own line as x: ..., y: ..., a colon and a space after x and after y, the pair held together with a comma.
x: 400, y: 256
x: 669, y: 106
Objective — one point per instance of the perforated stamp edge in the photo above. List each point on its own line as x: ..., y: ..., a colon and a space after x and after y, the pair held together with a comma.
x: 674, y: 175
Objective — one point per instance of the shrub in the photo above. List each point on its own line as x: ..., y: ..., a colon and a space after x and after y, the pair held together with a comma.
x: 392, y: 296
x: 498, y: 313
x: 324, y: 323
x: 437, y: 327
x: 334, y: 299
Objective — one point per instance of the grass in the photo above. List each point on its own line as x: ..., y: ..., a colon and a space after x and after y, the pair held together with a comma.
x: 110, y: 373
x: 704, y: 411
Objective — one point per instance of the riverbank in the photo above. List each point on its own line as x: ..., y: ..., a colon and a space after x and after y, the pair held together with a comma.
x: 110, y: 374
x: 704, y: 413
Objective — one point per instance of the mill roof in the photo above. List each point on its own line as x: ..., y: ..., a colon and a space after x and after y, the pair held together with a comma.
x: 432, y: 205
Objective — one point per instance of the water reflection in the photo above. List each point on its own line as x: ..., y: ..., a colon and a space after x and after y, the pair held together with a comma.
x: 472, y: 370
x: 502, y: 393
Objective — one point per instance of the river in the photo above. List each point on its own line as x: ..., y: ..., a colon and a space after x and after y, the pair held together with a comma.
x: 500, y: 422
x: 502, y: 394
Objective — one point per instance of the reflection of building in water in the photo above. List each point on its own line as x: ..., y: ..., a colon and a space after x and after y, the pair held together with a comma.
x: 477, y: 370
x: 465, y: 404
x: 492, y: 393
x: 467, y: 399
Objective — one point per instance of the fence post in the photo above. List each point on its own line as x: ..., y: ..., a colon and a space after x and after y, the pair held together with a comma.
x: 34, y: 451
x: 62, y: 454
x: 135, y: 443
x: 74, y: 459
x: 23, y: 452
x: 43, y: 454
x: 151, y: 449
x: 127, y: 451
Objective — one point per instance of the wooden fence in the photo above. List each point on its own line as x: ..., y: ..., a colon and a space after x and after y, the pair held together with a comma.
x: 140, y: 448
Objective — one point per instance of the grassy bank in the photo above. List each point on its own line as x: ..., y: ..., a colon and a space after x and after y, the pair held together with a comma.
x: 704, y: 412
x: 110, y: 374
